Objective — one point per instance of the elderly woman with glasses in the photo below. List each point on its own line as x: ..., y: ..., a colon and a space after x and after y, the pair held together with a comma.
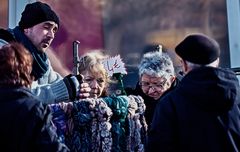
x: 156, y: 77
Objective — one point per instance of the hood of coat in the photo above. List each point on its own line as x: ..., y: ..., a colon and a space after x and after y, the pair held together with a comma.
x: 213, y: 89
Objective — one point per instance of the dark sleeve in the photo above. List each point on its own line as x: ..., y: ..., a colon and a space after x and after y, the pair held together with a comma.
x: 46, y: 139
x: 162, y: 134
x: 129, y: 91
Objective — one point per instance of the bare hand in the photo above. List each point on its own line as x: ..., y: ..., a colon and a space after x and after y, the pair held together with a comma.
x: 84, y: 90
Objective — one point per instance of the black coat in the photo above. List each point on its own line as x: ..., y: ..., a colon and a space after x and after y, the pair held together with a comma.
x: 195, y: 116
x: 25, y: 123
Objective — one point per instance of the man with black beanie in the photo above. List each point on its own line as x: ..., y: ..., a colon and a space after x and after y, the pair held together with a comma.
x: 202, y: 113
x: 36, y: 31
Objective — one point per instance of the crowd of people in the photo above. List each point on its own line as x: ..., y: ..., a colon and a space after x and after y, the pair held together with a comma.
x: 200, y: 112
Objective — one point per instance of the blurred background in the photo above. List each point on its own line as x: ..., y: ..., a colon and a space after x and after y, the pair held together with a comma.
x: 128, y: 27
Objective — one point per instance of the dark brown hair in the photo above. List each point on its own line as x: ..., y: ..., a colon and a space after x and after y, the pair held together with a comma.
x: 15, y: 66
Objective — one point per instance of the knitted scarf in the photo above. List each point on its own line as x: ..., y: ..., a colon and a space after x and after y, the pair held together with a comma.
x: 40, y: 65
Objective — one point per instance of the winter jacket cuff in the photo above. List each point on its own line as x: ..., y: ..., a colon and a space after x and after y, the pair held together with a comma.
x: 60, y: 91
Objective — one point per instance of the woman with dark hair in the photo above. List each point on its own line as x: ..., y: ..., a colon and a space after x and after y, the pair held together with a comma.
x: 26, y: 122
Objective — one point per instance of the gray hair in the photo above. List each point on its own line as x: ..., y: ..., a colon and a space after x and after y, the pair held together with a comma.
x: 156, y: 63
x: 191, y: 65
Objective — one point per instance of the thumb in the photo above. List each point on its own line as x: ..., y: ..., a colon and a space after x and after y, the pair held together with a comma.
x: 80, y: 78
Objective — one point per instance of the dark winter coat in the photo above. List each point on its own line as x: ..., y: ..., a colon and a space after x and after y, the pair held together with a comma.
x: 25, y: 123
x: 200, y: 115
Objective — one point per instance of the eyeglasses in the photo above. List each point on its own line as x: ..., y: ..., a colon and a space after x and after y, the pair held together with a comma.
x: 157, y: 86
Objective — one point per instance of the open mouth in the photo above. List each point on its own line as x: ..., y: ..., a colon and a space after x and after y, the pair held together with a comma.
x: 45, y: 45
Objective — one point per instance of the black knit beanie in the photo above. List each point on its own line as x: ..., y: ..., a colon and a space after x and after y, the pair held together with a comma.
x: 198, y: 49
x: 36, y: 13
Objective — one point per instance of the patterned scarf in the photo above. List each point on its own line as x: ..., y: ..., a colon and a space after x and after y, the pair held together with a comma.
x: 40, y: 66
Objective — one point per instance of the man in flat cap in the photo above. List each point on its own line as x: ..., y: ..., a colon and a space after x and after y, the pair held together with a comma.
x: 202, y: 113
x: 36, y: 31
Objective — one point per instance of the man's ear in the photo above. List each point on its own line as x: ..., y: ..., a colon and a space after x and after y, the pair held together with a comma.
x: 172, y: 79
x: 185, y: 66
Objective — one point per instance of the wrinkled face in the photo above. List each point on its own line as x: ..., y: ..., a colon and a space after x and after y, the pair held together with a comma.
x: 96, y: 82
x: 154, y: 86
x: 42, y: 34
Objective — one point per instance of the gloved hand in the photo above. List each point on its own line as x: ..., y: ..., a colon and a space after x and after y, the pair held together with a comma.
x: 76, y: 87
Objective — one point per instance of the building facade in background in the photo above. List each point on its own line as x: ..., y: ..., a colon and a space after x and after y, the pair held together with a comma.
x: 126, y: 27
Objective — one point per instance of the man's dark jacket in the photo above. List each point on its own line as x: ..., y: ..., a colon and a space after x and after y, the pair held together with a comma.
x: 200, y: 115
x: 25, y: 123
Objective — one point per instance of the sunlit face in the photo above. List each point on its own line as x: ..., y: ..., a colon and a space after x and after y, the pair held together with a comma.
x: 96, y: 82
x: 154, y: 86
x: 42, y: 34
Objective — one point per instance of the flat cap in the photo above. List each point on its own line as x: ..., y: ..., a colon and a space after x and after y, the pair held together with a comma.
x: 198, y: 49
